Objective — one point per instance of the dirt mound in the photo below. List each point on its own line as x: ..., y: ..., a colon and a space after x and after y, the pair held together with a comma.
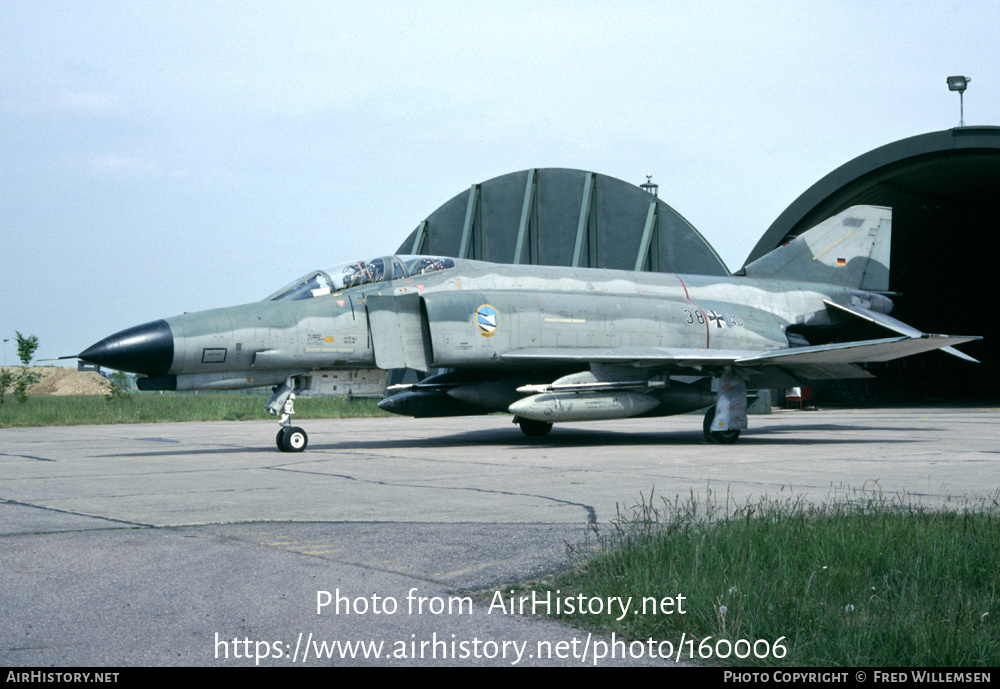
x: 64, y: 381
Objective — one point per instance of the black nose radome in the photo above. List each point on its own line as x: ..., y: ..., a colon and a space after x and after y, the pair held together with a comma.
x: 146, y: 348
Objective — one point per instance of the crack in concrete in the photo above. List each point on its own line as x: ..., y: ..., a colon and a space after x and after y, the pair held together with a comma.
x: 590, y: 510
x: 40, y: 459
x: 8, y: 501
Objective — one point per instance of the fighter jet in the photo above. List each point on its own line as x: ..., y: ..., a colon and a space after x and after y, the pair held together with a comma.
x: 547, y: 344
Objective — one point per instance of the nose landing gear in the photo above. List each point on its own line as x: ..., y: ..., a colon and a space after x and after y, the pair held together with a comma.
x: 290, y: 438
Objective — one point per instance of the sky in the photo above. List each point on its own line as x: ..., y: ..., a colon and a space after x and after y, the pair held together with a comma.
x: 164, y: 157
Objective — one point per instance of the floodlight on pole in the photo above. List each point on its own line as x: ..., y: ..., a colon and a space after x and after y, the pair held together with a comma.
x: 959, y: 84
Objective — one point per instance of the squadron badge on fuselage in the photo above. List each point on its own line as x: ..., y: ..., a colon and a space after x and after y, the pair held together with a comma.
x: 486, y: 319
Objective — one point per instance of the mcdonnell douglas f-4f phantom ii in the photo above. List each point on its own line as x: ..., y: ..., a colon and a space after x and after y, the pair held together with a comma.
x: 547, y: 344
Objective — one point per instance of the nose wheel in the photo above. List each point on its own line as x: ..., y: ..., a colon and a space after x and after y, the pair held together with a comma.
x: 291, y: 439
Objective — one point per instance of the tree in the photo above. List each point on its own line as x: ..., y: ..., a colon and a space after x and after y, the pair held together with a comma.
x: 26, y: 347
x: 6, y: 382
x: 119, y: 388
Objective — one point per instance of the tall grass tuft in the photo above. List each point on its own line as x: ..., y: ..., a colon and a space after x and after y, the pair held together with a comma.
x: 870, y: 581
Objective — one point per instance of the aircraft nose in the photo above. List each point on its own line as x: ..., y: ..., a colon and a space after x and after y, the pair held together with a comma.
x: 146, y: 348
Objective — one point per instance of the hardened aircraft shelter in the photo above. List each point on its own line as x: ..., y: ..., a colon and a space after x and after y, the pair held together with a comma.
x: 944, y: 191
x: 560, y: 217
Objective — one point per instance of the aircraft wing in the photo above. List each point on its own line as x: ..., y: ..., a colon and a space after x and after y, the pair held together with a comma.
x: 809, y: 363
x: 855, y: 352
x: 628, y: 356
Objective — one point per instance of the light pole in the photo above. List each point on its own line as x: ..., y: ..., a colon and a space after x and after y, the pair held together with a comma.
x: 959, y: 84
x: 5, y: 341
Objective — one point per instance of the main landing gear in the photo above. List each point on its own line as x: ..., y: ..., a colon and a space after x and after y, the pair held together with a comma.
x: 725, y: 419
x: 290, y: 438
x: 721, y: 437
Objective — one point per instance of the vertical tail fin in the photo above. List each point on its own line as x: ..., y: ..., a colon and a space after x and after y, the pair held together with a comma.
x: 851, y: 249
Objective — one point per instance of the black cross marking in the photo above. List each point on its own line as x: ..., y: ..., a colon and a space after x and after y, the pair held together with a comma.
x: 720, y: 322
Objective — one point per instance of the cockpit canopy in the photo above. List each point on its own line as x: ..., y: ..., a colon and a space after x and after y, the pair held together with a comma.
x: 357, y: 273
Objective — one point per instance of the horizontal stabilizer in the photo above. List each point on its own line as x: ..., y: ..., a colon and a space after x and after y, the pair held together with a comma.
x: 892, y: 324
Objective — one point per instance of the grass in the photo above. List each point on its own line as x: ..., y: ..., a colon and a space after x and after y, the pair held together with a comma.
x: 869, y: 582
x: 154, y: 408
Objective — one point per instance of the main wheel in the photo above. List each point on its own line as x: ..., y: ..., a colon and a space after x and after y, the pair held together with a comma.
x: 279, y: 439
x: 295, y: 440
x: 721, y: 437
x: 534, y: 429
